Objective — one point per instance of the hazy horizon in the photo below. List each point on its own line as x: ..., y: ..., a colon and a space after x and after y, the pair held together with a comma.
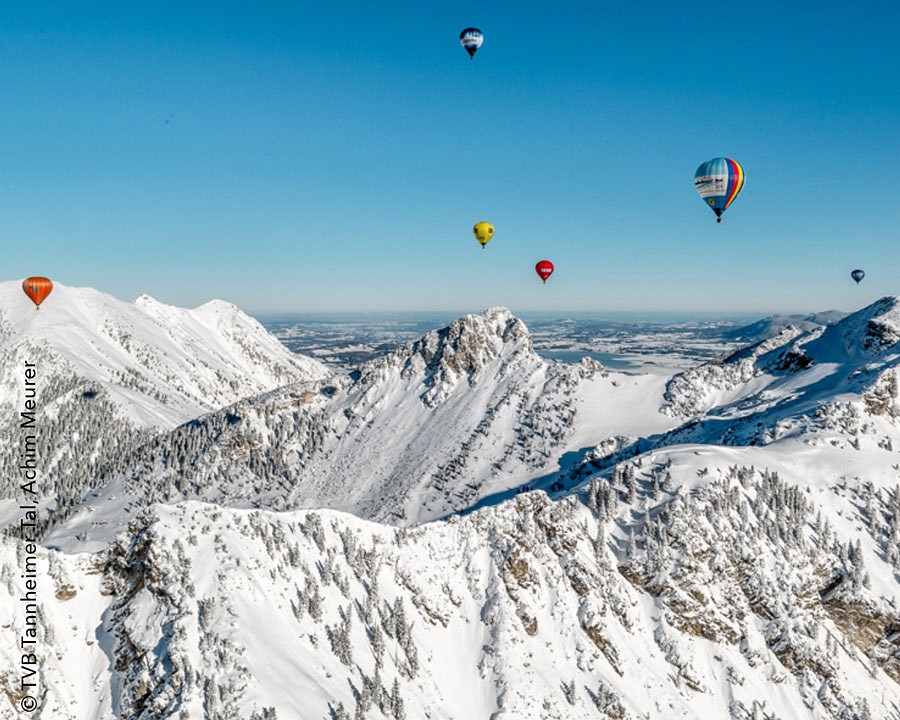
x: 424, y: 315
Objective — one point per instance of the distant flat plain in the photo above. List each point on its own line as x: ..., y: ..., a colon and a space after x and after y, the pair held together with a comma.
x: 658, y: 343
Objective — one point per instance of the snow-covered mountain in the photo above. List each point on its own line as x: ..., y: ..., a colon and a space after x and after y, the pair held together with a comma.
x: 684, y: 587
x: 160, y: 365
x: 110, y: 374
x: 795, y: 380
x: 723, y: 543
x: 772, y: 325
x: 466, y: 414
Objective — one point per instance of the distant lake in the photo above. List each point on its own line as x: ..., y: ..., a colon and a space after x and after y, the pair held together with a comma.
x: 610, y: 360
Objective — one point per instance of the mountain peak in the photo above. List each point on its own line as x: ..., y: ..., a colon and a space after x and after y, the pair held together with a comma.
x: 161, y: 364
x: 472, y: 340
x: 867, y: 332
x: 462, y: 349
x: 219, y: 306
x: 882, y: 323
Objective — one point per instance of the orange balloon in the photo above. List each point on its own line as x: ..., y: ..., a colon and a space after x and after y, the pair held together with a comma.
x: 37, y: 288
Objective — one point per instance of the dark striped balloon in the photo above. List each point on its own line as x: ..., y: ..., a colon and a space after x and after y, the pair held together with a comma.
x: 471, y: 39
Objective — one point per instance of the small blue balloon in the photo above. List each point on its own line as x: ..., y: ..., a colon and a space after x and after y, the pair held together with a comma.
x: 857, y: 275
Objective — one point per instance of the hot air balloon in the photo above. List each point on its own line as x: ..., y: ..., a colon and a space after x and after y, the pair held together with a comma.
x: 718, y: 181
x: 858, y: 275
x: 471, y: 39
x: 37, y: 288
x: 544, y: 269
x: 484, y: 231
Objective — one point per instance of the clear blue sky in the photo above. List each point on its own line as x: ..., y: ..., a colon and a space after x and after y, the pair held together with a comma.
x: 334, y: 156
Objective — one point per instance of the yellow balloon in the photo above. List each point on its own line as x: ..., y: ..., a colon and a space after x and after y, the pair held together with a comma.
x: 484, y: 231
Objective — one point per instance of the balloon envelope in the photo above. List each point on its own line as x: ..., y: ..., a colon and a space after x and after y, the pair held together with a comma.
x: 544, y: 269
x: 858, y: 275
x: 718, y: 182
x: 483, y: 232
x: 37, y: 288
x: 471, y: 39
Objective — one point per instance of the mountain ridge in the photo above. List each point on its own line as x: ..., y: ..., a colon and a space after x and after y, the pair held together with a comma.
x: 441, y: 423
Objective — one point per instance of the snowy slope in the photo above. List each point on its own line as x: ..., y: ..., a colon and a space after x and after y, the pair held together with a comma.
x: 466, y: 414
x: 110, y: 374
x: 799, y: 374
x: 160, y: 365
x: 664, y: 592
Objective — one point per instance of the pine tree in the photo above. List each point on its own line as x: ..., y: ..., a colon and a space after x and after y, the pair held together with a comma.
x: 593, y: 494
x: 396, y: 702
x: 632, y: 489
x: 858, y: 567
x: 360, y: 712
x: 399, y: 615
x: 412, y: 655
x: 632, y: 550
x: 600, y: 546
x: 569, y: 692
x: 340, y: 638
x: 314, y: 599
x: 377, y: 644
